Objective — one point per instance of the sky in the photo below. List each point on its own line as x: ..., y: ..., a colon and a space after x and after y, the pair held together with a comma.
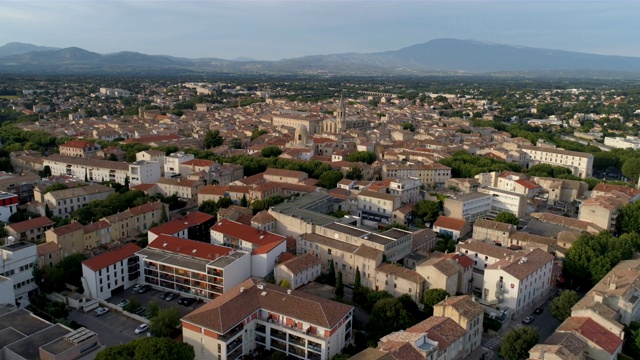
x: 273, y: 30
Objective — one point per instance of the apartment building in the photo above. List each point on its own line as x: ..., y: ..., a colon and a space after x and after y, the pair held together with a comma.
x: 580, y: 164
x: 135, y: 221
x: 464, y: 185
x: 89, y: 169
x: 265, y: 247
x: 70, y: 238
x: 144, y: 172
x: 483, y: 255
x: 226, y: 173
x: 193, y: 268
x: 407, y: 188
x: 16, y: 263
x: 20, y: 185
x: 63, y: 203
x: 398, y: 281
x: 375, y: 207
x: 506, y: 201
x: 603, y: 210
x: 216, y: 192
x: 197, y: 167
x: 151, y: 155
x: 49, y: 254
x: 518, y: 283
x: 440, y: 273
x: 8, y: 205
x: 470, y: 207
x: 298, y: 271
x: 96, y: 234
x: 172, y: 163
x: 31, y: 230
x: 432, y: 175
x: 628, y: 142
x: 112, y: 271
x: 602, y: 189
x: 79, y: 148
x: 183, y: 188
x: 284, y: 176
x: 255, y: 314
x: 467, y: 313
x: 492, y: 231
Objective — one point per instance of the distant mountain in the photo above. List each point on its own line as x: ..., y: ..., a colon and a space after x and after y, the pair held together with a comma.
x: 436, y: 56
x: 17, y: 48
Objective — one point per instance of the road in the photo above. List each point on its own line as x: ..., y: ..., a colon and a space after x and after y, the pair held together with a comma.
x: 112, y: 327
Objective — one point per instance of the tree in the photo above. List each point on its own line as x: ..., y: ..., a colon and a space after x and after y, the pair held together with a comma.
x: 243, y: 201
x: 331, y: 275
x: 149, y: 348
x: 362, y: 156
x: 355, y: 173
x: 46, y: 171
x: 408, y: 126
x: 428, y: 210
x: 357, y: 282
x: 285, y: 284
x: 235, y: 143
x: 133, y: 305
x: 330, y: 179
x: 256, y: 133
x: 270, y: 151
x: 152, y: 309
x: 165, y: 322
x: 432, y: 297
x: 445, y: 244
x: 631, y: 168
x: 213, y: 139
x: 628, y: 219
x: 560, y: 307
x: 517, y: 342
x: 507, y: 218
x: 339, y: 286
x: 388, y: 315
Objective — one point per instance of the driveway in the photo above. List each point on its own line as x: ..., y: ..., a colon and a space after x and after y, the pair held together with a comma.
x: 113, y: 328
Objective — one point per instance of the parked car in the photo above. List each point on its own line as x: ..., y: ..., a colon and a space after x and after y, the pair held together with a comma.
x: 141, y: 328
x: 165, y: 294
x: 170, y: 296
x: 122, y: 303
x: 186, y: 301
x: 139, y: 311
x: 538, y: 311
x: 101, y: 311
x: 143, y: 289
x: 136, y: 287
x: 528, y: 320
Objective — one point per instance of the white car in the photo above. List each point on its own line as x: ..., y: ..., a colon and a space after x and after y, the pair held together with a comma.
x: 136, y: 287
x: 141, y: 329
x: 123, y: 303
x: 101, y: 311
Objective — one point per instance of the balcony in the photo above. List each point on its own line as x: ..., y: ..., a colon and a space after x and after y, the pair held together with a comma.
x: 231, y: 333
x: 296, y: 340
x: 261, y: 328
x: 234, y: 344
x: 278, y: 345
x: 313, y: 356
x: 215, y: 272
x: 275, y: 333
x: 261, y: 339
x: 313, y: 346
x: 237, y: 353
x: 297, y: 351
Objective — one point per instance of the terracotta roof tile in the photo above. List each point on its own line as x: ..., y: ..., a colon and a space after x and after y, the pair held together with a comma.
x: 449, y: 223
x: 592, y: 331
x: 111, y: 257
x: 34, y: 223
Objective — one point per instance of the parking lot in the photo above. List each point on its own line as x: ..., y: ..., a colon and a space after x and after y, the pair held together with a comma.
x: 113, y: 328
x: 154, y: 294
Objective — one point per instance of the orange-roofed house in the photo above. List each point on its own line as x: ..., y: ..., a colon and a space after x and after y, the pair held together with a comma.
x: 80, y: 148
x: 265, y: 247
x: 192, y: 267
x: 194, y: 226
x: 30, y: 230
x: 456, y: 228
x: 298, y: 271
x: 113, y: 271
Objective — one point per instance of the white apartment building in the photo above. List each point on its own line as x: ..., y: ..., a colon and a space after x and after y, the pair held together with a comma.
x: 629, y: 142
x: 255, y: 314
x: 192, y: 267
x: 8, y: 205
x: 506, y: 201
x: 407, y: 188
x: 581, y: 164
x: 434, y: 175
x: 113, y: 271
x: 470, y: 207
x: 172, y: 163
x: 89, y: 169
x: 375, y: 207
x: 484, y: 255
x: 518, y: 283
x: 16, y: 263
x: 144, y: 172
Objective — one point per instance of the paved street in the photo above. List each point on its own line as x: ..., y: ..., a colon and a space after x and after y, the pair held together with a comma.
x: 154, y: 294
x: 113, y: 328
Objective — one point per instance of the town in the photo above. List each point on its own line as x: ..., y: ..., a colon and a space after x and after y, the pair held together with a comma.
x: 319, y: 218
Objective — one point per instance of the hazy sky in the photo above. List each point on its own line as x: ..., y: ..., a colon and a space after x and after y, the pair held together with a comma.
x: 270, y: 30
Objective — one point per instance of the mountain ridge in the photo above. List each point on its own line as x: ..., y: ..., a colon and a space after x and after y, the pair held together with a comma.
x: 438, y: 55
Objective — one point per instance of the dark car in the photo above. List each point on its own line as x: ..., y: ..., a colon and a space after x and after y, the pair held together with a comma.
x: 538, y: 311
x: 186, y: 301
x: 170, y: 296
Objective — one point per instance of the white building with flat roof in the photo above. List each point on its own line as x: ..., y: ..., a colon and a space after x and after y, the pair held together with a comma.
x: 16, y: 263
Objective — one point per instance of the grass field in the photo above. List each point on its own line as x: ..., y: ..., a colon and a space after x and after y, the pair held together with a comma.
x: 9, y: 97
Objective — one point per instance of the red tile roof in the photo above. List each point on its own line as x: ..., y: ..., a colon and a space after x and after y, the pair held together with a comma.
x: 152, y: 138
x: 463, y: 260
x: 198, y: 162
x: 67, y: 229
x: 78, y: 144
x: 446, y: 222
x: 175, y: 226
x: 188, y: 247
x: 592, y: 331
x: 527, y: 184
x: 31, y: 224
x: 111, y: 257
x: 143, y: 187
x: 247, y: 233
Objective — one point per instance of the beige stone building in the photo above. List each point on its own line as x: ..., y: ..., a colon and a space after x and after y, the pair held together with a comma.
x: 603, y: 210
x: 398, y: 281
x: 79, y: 148
x: 440, y: 273
x: 186, y: 189
x: 135, y: 221
x: 31, y: 230
x: 580, y: 164
x: 70, y: 238
x: 467, y: 313
x: 63, y: 203
x: 492, y: 231
x: 432, y: 175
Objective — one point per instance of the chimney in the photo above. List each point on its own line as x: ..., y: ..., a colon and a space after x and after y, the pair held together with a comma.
x: 289, y: 291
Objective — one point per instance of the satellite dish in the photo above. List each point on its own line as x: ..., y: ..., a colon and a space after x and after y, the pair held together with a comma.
x: 10, y: 240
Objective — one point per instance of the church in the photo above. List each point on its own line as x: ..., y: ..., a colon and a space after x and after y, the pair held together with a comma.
x: 341, y: 123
